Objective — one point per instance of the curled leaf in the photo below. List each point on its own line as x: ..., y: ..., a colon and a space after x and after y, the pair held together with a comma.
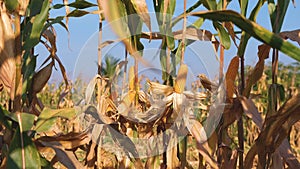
x: 41, y: 78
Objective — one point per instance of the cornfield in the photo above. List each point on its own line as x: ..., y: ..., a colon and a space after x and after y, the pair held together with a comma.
x: 245, y: 117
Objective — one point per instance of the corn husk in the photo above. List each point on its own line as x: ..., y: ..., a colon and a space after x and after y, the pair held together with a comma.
x: 7, y: 51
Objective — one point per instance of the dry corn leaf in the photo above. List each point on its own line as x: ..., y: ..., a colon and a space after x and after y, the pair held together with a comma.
x: 230, y: 29
x: 23, y: 6
x: 41, y: 78
x: 206, y: 83
x: 68, y: 141
x: 67, y: 158
x: 50, y: 35
x: 198, y: 132
x: 181, y: 79
x: 172, y: 160
x: 274, y: 132
x: 257, y: 72
x: 284, y: 149
x: 231, y: 74
x: 160, y: 89
x: 293, y: 35
x: 91, y: 156
x: 7, y: 51
x: 263, y: 51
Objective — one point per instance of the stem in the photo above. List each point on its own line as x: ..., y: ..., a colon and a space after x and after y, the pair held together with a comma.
x: 274, y: 66
x: 17, y: 102
x: 99, y: 82
x: 125, y: 72
x: 183, y: 33
x: 240, y: 121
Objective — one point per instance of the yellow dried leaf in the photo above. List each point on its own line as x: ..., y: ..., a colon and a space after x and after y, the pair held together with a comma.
x: 181, y: 79
x: 131, y: 78
x: 23, y: 6
x: 157, y: 88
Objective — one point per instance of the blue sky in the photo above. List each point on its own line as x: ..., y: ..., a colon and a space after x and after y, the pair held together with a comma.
x: 83, y: 40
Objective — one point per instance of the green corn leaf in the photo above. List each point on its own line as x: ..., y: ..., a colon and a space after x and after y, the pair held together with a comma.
x: 243, y: 7
x: 82, y: 4
x: 210, y: 4
x: 223, y: 34
x: 252, y: 29
x: 48, y: 118
x: 11, y: 5
x: 37, y: 22
x: 77, y: 13
x: 31, y: 156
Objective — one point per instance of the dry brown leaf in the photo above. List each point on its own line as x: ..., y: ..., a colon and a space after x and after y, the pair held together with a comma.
x: 7, y: 52
x: 172, y: 160
x: 181, y: 79
x: 233, y: 160
x: 68, y: 141
x: 50, y: 35
x: 275, y: 131
x: 191, y: 33
x: 263, y: 51
x: 230, y: 29
x: 284, y: 149
x: 277, y: 161
x: 67, y: 158
x: 257, y: 72
x: 251, y: 111
x: 231, y: 74
x: 206, y: 83
x: 91, y: 156
x: 293, y: 35
x: 197, y: 132
x: 41, y: 78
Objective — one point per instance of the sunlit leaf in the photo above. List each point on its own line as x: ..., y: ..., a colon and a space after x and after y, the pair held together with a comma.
x: 48, y: 118
x: 38, y: 22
